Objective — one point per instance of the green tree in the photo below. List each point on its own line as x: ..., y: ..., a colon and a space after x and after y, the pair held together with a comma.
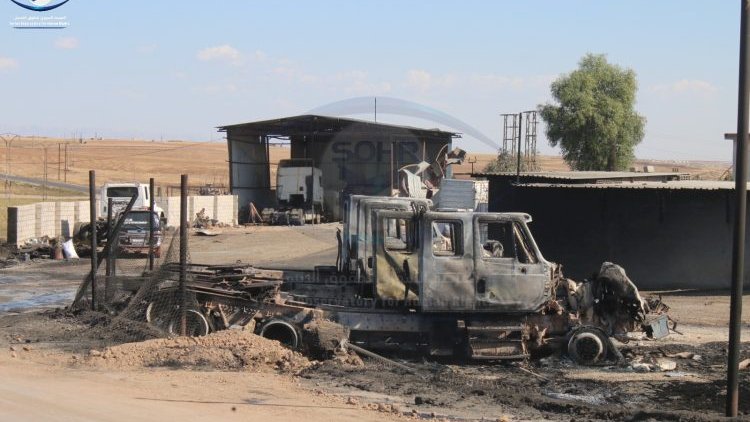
x: 506, y: 162
x: 595, y: 122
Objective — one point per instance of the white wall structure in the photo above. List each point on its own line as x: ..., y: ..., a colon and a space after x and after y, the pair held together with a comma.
x: 54, y: 219
x: 462, y: 194
x: 223, y: 208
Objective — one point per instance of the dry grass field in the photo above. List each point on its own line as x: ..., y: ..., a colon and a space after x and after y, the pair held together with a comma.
x: 122, y: 160
x: 137, y: 160
x: 704, y: 170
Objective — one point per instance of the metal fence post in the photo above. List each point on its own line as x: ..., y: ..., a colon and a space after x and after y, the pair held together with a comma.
x: 92, y: 214
x: 183, y: 253
x: 110, y: 253
x: 151, y: 225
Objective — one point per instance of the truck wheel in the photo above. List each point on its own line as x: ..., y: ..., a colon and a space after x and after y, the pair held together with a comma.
x: 281, y: 331
x: 197, y: 326
x: 158, y: 314
x: 588, y: 346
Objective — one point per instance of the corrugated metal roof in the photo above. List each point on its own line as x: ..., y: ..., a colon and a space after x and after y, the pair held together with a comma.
x: 315, y: 123
x: 582, y: 175
x: 674, y: 184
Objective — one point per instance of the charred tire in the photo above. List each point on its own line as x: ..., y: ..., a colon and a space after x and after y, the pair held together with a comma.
x: 197, y: 325
x: 588, y: 346
x: 281, y: 331
x: 159, y: 314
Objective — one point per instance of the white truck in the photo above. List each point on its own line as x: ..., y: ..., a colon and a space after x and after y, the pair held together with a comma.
x: 299, y: 194
x: 121, y: 194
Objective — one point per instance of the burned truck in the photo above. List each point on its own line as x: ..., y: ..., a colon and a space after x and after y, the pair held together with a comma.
x: 441, y: 283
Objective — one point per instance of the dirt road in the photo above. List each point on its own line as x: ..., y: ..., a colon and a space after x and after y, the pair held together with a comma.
x: 32, y: 391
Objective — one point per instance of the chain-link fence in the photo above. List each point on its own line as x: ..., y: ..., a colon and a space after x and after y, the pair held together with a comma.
x: 143, y: 299
x: 146, y: 303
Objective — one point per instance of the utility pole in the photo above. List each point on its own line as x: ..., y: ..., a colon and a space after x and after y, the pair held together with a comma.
x: 44, y: 191
x: 8, y: 138
x: 59, y: 156
x: 65, y: 171
x: 740, y: 217
x: 472, y: 163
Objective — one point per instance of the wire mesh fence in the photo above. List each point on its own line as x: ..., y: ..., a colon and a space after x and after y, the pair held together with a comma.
x: 143, y: 302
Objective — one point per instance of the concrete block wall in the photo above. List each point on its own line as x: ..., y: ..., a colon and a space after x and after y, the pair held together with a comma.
x: 60, y: 218
x: 223, y: 208
x: 202, y: 202
x: 50, y: 219
x: 171, y: 207
x: 226, y: 208
x: 82, y: 212
x: 65, y: 218
x: 45, y: 219
x: 21, y: 223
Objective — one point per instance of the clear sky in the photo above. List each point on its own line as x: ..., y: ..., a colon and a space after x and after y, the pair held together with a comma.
x: 176, y: 69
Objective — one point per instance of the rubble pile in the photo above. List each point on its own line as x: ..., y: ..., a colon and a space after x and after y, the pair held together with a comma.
x: 44, y: 247
x: 203, y: 221
x: 222, y: 350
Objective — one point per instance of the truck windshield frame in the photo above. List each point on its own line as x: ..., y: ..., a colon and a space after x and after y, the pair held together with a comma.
x: 142, y: 221
x: 122, y: 191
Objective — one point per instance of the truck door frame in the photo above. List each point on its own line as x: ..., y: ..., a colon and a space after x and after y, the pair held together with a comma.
x: 447, y: 282
x: 395, y: 271
x: 510, y: 285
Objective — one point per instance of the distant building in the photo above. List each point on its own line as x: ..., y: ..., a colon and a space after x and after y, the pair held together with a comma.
x: 667, y: 233
x: 355, y: 156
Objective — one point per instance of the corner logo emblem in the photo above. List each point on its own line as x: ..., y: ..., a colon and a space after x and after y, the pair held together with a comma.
x: 40, y: 5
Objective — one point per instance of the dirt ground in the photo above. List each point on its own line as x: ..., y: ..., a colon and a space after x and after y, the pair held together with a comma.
x: 57, y: 366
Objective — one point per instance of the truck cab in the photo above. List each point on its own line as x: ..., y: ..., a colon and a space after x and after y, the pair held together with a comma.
x: 459, y: 262
x: 121, y: 194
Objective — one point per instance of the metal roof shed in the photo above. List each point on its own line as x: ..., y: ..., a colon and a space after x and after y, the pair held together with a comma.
x: 355, y: 156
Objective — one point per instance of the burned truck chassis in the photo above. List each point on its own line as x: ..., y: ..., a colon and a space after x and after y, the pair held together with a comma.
x: 442, y: 283
x: 231, y: 296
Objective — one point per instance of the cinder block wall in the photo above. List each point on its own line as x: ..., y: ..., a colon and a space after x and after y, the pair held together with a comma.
x: 81, y: 210
x: 45, y: 219
x: 21, y: 223
x: 60, y: 218
x: 65, y: 218
x: 197, y: 203
x: 171, y: 207
x: 226, y: 208
x: 223, y: 208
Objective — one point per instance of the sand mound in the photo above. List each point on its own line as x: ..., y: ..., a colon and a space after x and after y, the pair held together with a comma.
x: 223, y: 350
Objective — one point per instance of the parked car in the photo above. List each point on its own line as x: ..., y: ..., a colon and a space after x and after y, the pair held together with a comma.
x: 133, y: 237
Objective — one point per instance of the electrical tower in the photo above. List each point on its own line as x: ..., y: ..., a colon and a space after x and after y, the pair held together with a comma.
x: 530, y: 141
x: 513, y: 128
